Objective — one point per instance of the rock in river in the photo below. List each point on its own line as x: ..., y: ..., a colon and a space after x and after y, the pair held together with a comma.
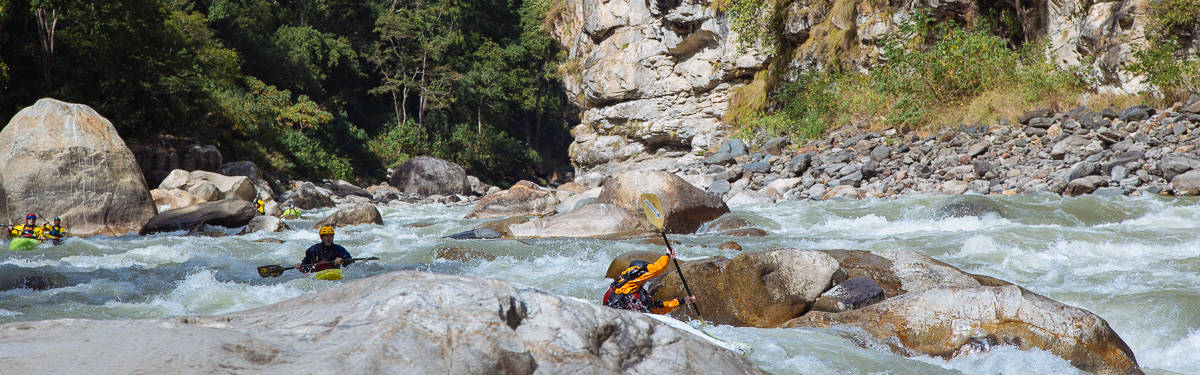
x: 396, y: 323
x: 62, y: 159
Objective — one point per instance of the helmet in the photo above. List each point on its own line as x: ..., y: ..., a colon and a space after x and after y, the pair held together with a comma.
x: 57, y: 219
x: 31, y: 216
x: 639, y: 263
x: 326, y: 230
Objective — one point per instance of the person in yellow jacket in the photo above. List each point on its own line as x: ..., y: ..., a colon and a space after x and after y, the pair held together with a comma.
x: 54, y: 231
x: 260, y: 206
x: 627, y: 292
x: 28, y: 230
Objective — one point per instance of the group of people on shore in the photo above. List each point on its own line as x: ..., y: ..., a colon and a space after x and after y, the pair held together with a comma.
x: 30, y: 229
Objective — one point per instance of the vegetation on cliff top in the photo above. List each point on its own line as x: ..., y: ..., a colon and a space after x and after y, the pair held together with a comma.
x: 930, y: 73
x: 313, y: 88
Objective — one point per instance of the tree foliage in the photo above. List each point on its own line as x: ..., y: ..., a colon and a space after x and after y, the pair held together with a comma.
x: 309, y: 88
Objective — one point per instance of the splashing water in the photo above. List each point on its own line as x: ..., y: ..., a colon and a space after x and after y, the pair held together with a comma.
x: 1133, y: 261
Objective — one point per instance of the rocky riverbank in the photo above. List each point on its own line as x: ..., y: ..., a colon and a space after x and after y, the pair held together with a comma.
x: 1135, y: 151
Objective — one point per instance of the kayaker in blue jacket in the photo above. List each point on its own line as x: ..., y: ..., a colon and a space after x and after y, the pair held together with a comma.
x: 324, y: 255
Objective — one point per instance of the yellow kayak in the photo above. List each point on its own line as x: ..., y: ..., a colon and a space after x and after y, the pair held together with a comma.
x: 329, y: 274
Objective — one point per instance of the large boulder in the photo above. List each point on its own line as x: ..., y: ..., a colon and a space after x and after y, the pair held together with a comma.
x: 226, y: 187
x: 229, y: 213
x: 685, y: 206
x: 951, y: 321
x: 359, y: 213
x: 523, y: 198
x: 597, y: 219
x: 62, y: 159
x: 307, y: 197
x: 759, y: 289
x: 396, y: 323
x: 428, y: 176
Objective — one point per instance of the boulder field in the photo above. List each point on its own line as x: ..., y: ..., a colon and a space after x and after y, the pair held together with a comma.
x: 400, y: 322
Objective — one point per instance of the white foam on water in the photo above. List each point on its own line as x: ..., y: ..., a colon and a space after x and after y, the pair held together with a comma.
x: 1178, y: 356
x: 146, y: 257
x: 1004, y: 360
x: 4, y: 312
x: 201, y: 293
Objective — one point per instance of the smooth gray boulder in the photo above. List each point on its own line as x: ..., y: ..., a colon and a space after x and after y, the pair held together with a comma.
x: 429, y: 176
x: 396, y: 323
x: 265, y: 223
x: 308, y: 197
x: 359, y: 213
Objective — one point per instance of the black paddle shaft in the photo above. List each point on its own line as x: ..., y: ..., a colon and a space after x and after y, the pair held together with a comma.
x: 680, y: 272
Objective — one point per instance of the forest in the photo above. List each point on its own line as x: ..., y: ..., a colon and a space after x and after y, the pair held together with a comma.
x: 308, y: 89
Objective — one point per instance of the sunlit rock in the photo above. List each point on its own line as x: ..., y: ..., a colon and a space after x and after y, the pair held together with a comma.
x: 65, y: 160
x: 396, y: 323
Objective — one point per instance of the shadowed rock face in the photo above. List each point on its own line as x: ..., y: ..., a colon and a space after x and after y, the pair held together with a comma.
x: 62, y: 159
x: 229, y: 213
x: 947, y: 322
x: 401, y: 322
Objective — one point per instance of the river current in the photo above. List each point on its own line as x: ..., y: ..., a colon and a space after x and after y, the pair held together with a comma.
x: 1134, y: 261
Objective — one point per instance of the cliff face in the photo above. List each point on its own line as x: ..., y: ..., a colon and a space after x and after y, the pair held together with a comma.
x: 647, y: 75
x: 655, y: 76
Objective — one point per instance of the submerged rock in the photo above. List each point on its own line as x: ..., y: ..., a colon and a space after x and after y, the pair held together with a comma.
x: 400, y: 322
x: 969, y: 205
x: 949, y: 321
x: 459, y: 254
x: 360, y: 213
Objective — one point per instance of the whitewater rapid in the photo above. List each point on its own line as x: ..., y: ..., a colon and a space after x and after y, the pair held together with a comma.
x: 1134, y: 261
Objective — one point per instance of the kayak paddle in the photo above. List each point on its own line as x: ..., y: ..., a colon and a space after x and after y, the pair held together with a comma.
x: 276, y: 270
x: 652, y: 207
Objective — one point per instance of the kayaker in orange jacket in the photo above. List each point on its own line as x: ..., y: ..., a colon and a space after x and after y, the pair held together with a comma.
x: 627, y: 292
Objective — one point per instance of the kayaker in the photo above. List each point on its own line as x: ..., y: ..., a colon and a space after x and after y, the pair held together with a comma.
x: 54, y: 231
x: 324, y: 255
x: 291, y: 212
x: 260, y: 206
x: 627, y: 292
x: 28, y: 230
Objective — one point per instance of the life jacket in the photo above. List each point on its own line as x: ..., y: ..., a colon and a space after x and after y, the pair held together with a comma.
x: 638, y: 300
x: 52, y: 231
x: 28, y: 231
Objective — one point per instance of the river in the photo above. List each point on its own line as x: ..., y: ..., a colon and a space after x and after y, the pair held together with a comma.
x: 1135, y: 261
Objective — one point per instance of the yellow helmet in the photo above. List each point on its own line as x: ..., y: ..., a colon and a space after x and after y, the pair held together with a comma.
x: 328, y: 229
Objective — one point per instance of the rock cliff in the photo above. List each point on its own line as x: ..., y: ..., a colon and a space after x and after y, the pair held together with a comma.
x: 654, y: 78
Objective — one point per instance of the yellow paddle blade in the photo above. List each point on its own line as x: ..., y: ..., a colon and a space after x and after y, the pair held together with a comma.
x: 653, y: 209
